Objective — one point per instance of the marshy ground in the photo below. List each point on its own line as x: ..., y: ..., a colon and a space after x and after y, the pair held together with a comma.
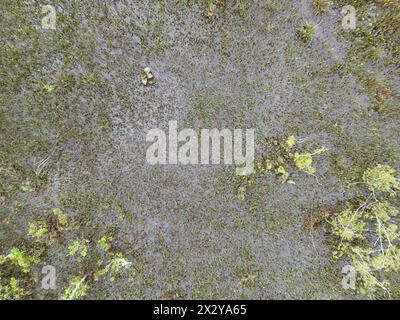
x: 74, y: 116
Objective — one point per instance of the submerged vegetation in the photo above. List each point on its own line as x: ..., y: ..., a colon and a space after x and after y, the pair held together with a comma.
x: 375, y: 43
x: 74, y: 191
x: 378, y: 26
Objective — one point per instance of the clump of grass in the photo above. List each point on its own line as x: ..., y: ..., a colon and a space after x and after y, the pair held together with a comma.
x: 210, y: 13
x: 373, y: 53
x: 320, y: 6
x: 381, y: 92
x: 307, y: 32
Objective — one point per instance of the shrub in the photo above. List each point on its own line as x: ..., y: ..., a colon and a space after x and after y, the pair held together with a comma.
x: 21, y: 259
x: 381, y: 178
x: 76, y: 289
x: 11, y: 291
x: 368, y: 235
